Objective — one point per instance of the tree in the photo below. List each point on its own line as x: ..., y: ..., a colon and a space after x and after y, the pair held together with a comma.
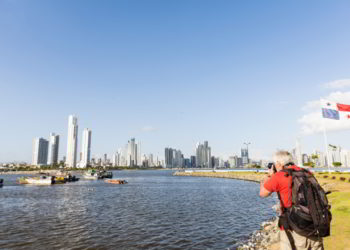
x: 310, y: 164
x: 337, y: 164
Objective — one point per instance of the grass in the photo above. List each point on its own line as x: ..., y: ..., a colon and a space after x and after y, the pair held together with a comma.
x: 339, y: 200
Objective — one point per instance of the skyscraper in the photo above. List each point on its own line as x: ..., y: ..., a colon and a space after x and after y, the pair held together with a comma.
x: 40, y: 148
x: 54, y: 141
x: 245, y: 156
x: 203, y: 155
x: 86, y: 148
x: 72, y: 141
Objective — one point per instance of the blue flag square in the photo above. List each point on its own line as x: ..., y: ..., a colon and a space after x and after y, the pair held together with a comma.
x: 330, y: 114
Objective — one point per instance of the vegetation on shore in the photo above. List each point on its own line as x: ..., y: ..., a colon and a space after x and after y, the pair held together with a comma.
x: 337, y: 183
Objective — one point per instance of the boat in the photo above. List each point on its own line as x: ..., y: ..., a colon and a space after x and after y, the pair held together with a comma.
x: 91, y: 175
x: 41, y: 180
x: 67, y: 176
x: 59, y: 180
x: 105, y: 174
x: 1, y: 182
x: 114, y: 181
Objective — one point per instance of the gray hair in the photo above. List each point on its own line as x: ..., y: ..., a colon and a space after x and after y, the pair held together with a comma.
x: 283, y: 157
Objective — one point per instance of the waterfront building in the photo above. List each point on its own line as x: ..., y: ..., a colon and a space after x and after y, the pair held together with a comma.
x: 132, y: 153
x: 139, y: 161
x: 72, y: 141
x: 245, y: 156
x: 232, y: 160
x: 40, y: 151
x: 169, y: 156
x: 150, y: 160
x: 203, y: 155
x: 53, y: 149
x: 86, y: 148
x: 193, y: 161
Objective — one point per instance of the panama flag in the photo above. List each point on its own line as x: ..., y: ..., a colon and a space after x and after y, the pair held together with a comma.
x: 336, y: 111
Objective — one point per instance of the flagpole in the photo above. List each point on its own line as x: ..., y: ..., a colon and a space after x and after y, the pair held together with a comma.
x: 325, y: 141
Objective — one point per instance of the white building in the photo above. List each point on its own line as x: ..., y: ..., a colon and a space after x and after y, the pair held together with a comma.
x: 72, y: 141
x: 203, y: 155
x: 53, y: 149
x: 133, y: 155
x: 86, y: 148
x: 40, y: 150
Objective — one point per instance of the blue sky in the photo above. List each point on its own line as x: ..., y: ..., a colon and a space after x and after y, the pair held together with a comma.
x: 170, y: 73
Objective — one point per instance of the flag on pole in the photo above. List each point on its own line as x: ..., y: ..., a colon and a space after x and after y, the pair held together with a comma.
x: 335, y: 111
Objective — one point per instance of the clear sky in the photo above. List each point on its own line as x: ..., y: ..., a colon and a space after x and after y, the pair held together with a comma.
x: 171, y: 73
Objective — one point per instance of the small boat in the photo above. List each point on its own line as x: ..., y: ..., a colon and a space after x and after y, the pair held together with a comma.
x: 116, y: 181
x: 67, y: 176
x: 91, y: 175
x: 1, y: 182
x: 105, y: 174
x: 42, y: 180
x: 59, y: 180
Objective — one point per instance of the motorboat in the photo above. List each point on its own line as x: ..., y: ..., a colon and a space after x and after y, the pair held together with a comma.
x: 40, y: 180
x: 114, y: 181
x: 91, y: 175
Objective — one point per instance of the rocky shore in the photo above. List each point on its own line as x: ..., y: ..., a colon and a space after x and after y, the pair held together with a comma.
x: 265, y: 238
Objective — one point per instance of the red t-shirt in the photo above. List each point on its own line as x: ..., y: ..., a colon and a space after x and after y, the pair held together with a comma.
x: 283, y: 184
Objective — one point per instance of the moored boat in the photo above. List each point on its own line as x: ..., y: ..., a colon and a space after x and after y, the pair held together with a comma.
x: 1, y: 182
x: 91, y: 175
x: 42, y: 180
x: 114, y: 181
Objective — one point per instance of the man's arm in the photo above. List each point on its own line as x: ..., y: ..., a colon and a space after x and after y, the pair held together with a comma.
x: 263, y: 191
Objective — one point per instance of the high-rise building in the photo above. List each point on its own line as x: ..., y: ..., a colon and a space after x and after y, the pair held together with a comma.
x: 86, y: 148
x: 72, y: 141
x: 54, y: 141
x: 245, y: 156
x: 203, y: 155
x: 169, y: 157
x: 40, y: 150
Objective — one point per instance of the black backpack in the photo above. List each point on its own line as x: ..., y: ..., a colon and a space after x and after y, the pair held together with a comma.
x: 309, y: 214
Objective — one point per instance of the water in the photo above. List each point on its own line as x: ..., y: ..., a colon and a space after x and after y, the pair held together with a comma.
x: 154, y: 211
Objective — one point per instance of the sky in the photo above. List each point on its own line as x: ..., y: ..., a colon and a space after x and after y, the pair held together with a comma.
x: 173, y: 73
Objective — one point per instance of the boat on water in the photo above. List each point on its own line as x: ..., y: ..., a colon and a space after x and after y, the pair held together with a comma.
x: 94, y: 175
x: 1, y: 182
x: 106, y: 174
x: 40, y: 180
x: 67, y: 176
x: 114, y: 181
x: 91, y: 175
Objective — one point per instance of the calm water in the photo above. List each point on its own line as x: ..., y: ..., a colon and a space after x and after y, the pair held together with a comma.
x: 154, y: 211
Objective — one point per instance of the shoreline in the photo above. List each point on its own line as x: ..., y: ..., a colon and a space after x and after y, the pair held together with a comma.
x: 337, y: 183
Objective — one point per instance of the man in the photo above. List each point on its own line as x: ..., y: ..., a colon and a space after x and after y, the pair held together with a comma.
x: 279, y: 182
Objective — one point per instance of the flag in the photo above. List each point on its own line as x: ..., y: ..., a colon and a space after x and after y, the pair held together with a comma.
x: 335, y: 111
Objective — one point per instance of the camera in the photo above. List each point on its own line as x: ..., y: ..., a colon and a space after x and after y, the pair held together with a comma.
x: 272, y: 165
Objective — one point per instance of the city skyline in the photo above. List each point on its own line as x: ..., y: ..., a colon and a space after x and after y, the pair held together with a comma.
x: 173, y: 75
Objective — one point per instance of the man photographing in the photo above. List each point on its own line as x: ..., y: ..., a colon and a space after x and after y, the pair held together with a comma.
x: 280, y: 180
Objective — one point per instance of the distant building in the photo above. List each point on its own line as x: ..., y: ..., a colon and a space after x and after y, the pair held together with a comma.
x: 86, y: 148
x: 169, y: 157
x: 54, y: 141
x: 72, y: 141
x: 193, y: 161
x: 245, y: 156
x: 203, y: 155
x: 40, y: 151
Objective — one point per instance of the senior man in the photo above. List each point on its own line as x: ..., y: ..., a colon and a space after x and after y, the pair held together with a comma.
x: 281, y: 183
